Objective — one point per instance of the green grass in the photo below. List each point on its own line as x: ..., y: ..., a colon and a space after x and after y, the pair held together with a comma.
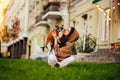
x: 15, y: 69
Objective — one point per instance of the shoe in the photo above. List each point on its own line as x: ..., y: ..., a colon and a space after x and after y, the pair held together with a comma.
x: 57, y: 65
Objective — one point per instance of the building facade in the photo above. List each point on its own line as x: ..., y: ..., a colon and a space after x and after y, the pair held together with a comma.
x: 29, y: 22
x: 99, y: 19
x: 25, y: 33
x: 17, y: 21
x: 96, y: 17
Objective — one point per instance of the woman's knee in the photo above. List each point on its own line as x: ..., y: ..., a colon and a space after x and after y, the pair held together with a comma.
x: 52, y: 60
x: 51, y: 57
x: 72, y: 58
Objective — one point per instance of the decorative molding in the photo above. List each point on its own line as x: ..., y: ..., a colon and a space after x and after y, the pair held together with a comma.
x: 77, y: 4
x: 56, y: 14
x: 80, y: 3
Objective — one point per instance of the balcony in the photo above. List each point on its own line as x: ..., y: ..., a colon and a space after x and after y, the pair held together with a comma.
x: 39, y: 21
x: 42, y: 23
x: 38, y: 17
x: 51, y: 10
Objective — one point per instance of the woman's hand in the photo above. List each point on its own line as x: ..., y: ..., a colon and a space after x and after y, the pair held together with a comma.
x: 55, y: 37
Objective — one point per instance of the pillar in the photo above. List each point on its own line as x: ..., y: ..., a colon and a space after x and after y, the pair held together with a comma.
x: 65, y: 13
x: 26, y: 17
x: 52, y: 23
x: 65, y: 16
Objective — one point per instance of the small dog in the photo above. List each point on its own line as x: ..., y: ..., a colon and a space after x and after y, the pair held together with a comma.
x: 50, y: 40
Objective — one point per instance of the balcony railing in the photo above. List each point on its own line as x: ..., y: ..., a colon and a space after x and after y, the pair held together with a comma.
x: 39, y: 21
x: 51, y: 10
x: 52, y: 6
x: 42, y: 23
x: 38, y: 17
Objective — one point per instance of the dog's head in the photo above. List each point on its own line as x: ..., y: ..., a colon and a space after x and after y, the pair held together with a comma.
x: 59, y: 28
x: 49, y: 38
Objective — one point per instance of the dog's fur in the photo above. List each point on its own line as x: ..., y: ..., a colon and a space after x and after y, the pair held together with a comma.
x: 50, y: 39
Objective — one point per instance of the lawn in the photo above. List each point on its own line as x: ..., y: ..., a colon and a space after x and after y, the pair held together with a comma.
x: 16, y: 69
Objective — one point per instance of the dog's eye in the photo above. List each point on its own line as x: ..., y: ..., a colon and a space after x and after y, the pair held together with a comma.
x: 59, y: 29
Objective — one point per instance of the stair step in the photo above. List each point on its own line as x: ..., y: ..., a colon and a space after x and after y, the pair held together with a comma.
x: 98, y: 57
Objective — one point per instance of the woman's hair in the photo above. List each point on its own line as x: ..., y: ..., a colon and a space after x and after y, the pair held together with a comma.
x: 64, y: 38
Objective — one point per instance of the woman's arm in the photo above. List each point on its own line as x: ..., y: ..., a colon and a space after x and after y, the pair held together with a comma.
x: 63, y: 51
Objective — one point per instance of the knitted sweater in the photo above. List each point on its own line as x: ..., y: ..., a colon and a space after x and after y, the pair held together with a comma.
x: 66, y: 51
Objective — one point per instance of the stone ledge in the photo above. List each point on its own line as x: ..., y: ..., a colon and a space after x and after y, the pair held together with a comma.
x: 98, y: 57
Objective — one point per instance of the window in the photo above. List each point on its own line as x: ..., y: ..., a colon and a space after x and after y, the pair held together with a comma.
x: 105, y: 25
x: 116, y: 17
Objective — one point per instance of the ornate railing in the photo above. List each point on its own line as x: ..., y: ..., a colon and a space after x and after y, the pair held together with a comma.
x: 38, y: 17
x: 51, y: 6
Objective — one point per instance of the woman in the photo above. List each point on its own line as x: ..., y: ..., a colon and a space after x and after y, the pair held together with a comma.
x: 63, y: 48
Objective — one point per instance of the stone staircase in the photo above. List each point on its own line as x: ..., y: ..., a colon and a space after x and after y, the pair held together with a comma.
x: 102, y: 56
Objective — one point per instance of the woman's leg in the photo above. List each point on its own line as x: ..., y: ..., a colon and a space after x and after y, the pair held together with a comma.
x: 52, y: 60
x: 66, y: 61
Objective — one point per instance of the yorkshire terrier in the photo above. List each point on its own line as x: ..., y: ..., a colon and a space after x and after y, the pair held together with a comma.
x: 50, y: 40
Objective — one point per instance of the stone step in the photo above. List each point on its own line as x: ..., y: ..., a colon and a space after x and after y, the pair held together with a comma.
x: 98, y: 57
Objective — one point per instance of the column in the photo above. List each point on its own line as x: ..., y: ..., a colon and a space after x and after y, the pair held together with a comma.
x: 26, y: 17
x: 29, y: 49
x: 24, y: 45
x: 21, y: 47
x: 17, y: 49
x: 65, y: 16
x: 65, y: 13
x: 52, y: 23
x: 9, y: 50
x: 12, y: 51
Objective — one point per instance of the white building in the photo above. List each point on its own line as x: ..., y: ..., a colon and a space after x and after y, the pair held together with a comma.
x: 27, y: 37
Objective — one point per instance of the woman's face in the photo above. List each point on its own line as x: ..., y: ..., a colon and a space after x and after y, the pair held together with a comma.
x: 66, y: 31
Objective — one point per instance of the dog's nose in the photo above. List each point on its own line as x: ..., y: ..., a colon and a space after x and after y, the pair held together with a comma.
x: 60, y: 29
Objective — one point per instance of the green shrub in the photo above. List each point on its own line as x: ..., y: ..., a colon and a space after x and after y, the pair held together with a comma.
x: 89, y: 45
x: 74, y: 51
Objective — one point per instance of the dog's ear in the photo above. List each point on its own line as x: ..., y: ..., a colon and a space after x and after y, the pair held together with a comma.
x: 62, y: 26
x: 56, y: 26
